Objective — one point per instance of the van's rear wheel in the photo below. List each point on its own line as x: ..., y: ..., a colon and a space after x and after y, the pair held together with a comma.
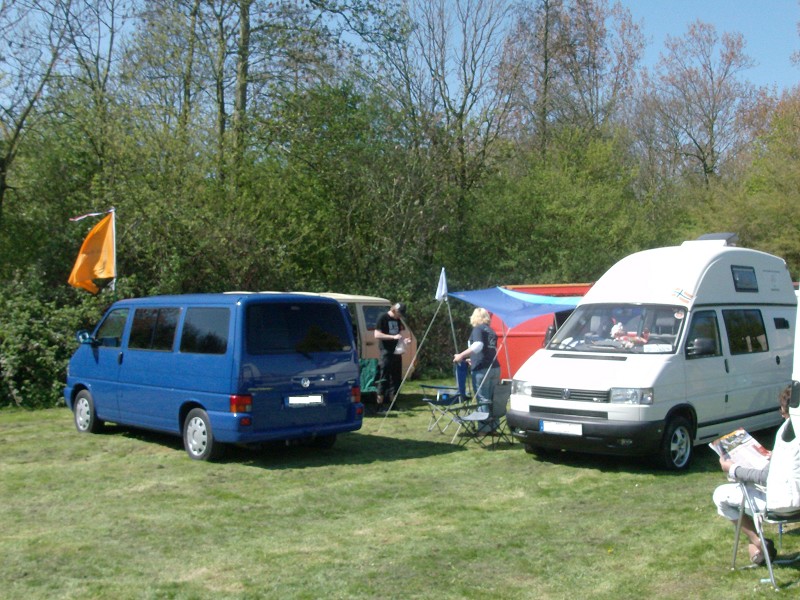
x: 198, y: 438
x: 86, y: 420
x: 677, y: 445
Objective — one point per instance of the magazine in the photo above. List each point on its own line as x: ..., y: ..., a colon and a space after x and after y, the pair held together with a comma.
x: 742, y: 448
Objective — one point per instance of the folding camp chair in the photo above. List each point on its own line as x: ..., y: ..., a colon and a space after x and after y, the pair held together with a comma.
x: 471, y: 424
x: 448, y: 400
x: 502, y: 394
x: 761, y: 517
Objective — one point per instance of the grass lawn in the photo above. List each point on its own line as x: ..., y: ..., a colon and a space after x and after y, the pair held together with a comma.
x: 392, y: 511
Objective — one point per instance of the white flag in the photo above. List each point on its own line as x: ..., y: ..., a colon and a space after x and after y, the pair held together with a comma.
x: 441, y: 289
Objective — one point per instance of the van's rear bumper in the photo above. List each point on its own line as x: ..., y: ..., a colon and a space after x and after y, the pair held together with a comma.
x: 228, y: 428
x: 624, y: 438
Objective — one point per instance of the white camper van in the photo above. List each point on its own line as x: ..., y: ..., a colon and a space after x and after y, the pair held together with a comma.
x: 671, y: 348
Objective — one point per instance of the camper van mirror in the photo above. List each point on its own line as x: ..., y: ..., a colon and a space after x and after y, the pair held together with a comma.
x: 84, y: 337
x: 794, y: 402
x: 701, y: 347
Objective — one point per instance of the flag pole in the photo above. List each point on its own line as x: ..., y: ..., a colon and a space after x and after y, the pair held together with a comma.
x: 114, y: 238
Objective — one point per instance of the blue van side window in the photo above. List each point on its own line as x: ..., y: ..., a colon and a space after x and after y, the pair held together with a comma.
x: 110, y: 331
x: 205, y: 331
x: 278, y: 328
x: 154, y: 328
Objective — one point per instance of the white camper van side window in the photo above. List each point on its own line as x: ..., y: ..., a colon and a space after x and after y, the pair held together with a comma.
x: 745, y: 329
x: 744, y: 279
x: 703, y: 339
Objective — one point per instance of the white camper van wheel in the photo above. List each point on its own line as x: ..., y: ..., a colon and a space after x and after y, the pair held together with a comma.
x: 677, y: 444
x: 86, y: 420
x: 198, y: 438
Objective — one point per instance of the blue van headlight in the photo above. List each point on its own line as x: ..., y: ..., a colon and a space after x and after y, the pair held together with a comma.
x: 631, y: 396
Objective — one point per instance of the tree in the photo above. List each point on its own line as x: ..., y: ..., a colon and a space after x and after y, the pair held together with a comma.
x: 697, y: 97
x: 444, y: 76
x: 577, y: 66
x: 762, y: 205
x: 35, y: 35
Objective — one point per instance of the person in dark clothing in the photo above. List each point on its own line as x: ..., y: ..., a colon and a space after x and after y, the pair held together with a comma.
x: 390, y: 333
x: 482, y: 357
x: 728, y: 497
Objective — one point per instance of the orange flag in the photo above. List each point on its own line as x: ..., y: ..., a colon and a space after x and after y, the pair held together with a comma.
x: 97, y: 259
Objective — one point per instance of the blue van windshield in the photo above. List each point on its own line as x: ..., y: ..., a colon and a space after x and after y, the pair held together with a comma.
x: 303, y: 328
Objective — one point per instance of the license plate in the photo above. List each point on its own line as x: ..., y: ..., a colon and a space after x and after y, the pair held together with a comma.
x: 562, y: 428
x: 304, y: 400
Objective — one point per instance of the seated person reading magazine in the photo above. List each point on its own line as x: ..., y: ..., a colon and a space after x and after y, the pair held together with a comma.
x: 728, y: 497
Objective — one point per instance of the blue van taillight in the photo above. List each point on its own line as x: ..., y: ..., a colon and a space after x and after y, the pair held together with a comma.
x: 355, y: 394
x: 241, y: 403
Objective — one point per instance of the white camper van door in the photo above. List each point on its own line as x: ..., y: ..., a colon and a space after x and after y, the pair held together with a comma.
x: 756, y: 377
x: 706, y: 376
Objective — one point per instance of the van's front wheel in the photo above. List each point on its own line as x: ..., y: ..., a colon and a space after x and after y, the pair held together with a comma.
x: 198, y: 439
x: 677, y: 445
x: 86, y: 420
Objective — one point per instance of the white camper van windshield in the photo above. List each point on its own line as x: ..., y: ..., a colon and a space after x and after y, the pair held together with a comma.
x: 622, y: 328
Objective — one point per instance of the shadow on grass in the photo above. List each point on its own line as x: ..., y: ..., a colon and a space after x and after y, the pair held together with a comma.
x: 350, y: 449
x: 705, y: 460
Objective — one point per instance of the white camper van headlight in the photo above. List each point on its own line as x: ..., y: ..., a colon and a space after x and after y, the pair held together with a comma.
x: 523, y: 388
x: 631, y: 395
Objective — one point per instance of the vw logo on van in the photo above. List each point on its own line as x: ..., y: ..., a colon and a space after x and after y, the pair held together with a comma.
x: 305, y: 382
x: 565, y: 394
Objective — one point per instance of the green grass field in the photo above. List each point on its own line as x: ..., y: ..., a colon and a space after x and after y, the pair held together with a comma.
x: 392, y: 511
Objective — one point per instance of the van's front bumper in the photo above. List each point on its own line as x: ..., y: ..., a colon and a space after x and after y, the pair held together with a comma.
x: 599, y: 436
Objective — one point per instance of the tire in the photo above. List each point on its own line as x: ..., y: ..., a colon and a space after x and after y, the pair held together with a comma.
x: 677, y: 445
x: 86, y: 420
x: 324, y: 442
x: 537, y: 450
x: 198, y: 438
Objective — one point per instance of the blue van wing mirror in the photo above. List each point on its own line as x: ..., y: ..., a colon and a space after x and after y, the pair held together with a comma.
x: 84, y: 337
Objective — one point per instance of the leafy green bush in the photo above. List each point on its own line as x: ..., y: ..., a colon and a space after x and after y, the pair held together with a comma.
x: 37, y: 329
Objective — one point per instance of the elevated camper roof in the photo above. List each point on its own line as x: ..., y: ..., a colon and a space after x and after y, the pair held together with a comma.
x: 698, y: 272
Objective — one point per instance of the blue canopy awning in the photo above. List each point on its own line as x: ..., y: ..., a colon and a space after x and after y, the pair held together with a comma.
x: 514, y: 307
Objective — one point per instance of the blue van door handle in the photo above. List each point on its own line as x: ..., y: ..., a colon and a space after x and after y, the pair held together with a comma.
x: 119, y: 358
x: 727, y: 370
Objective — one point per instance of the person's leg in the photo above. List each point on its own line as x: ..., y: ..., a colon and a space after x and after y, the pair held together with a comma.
x: 384, y: 369
x: 728, y: 498
x: 490, y: 383
x: 395, y: 378
x: 480, y: 383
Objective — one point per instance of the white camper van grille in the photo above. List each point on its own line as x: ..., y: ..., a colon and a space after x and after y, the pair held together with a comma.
x: 551, y: 393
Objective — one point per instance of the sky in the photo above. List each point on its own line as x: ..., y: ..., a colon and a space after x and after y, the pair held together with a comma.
x: 769, y: 28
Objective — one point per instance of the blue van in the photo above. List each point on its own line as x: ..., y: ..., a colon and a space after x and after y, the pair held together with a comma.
x: 220, y: 368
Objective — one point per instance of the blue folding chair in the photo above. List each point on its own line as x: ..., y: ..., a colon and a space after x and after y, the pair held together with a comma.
x: 446, y: 401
